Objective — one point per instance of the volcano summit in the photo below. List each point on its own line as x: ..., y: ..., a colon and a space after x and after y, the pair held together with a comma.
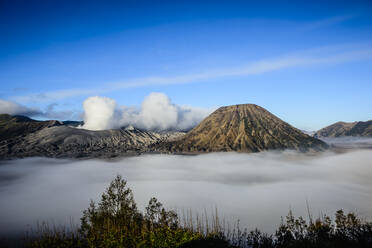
x: 244, y: 128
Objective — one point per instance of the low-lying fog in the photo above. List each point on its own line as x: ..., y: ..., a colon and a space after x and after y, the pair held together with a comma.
x: 349, y: 142
x: 257, y: 189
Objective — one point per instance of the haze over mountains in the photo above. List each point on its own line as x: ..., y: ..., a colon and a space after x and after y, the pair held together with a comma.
x: 241, y: 128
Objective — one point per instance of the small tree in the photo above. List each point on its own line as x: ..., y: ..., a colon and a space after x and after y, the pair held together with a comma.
x: 115, y: 218
x: 157, y: 216
x: 153, y: 211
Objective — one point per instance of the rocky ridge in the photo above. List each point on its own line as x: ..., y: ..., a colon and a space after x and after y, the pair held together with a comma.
x: 342, y: 129
x: 71, y: 142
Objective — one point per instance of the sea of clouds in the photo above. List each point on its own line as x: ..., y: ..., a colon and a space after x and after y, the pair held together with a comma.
x: 256, y: 189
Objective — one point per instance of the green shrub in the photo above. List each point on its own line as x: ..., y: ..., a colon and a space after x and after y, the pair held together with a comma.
x: 345, y: 231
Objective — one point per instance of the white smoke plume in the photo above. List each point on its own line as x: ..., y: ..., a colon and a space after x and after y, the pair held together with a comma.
x: 99, y: 113
x: 157, y: 112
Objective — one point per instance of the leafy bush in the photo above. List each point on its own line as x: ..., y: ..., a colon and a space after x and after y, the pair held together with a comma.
x: 347, y: 230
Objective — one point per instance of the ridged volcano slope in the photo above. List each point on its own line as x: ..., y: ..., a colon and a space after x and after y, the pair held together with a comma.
x: 243, y: 128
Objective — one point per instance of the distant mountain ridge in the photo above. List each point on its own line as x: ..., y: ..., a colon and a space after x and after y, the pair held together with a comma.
x: 240, y: 128
x: 24, y: 137
x: 341, y: 129
x: 71, y: 142
x: 243, y: 128
x: 17, y: 125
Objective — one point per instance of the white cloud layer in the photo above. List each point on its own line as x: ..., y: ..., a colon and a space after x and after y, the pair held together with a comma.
x: 157, y: 112
x: 257, y: 188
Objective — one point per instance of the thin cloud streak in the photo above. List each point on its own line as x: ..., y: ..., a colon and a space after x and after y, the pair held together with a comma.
x: 255, y: 68
x: 13, y: 108
x: 329, y: 22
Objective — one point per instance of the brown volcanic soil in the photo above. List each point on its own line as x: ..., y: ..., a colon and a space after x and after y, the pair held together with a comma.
x: 243, y: 128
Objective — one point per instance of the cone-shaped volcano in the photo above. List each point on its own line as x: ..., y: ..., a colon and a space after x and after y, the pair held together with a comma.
x: 244, y: 128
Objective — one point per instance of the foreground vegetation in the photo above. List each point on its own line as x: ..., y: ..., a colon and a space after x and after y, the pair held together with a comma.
x: 116, y: 222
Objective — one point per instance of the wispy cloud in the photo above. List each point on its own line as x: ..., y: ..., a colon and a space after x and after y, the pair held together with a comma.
x: 56, y: 95
x: 314, y: 57
x: 13, y: 108
x: 328, y: 22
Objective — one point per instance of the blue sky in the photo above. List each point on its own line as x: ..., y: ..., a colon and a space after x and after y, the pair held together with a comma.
x: 308, y: 62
